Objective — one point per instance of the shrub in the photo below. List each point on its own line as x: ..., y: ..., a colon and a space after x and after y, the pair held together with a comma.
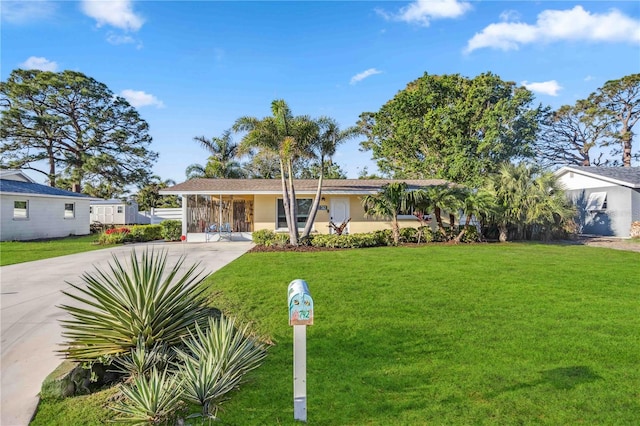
x: 114, y: 236
x: 471, y: 235
x: 171, y: 230
x: 346, y: 241
x: 216, y: 361
x: 123, y: 306
x: 281, y: 239
x: 384, y: 237
x: 263, y: 237
x: 149, y: 400
x: 408, y: 235
x: 143, y: 233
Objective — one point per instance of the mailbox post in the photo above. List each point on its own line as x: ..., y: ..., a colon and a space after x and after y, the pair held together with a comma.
x: 300, y: 315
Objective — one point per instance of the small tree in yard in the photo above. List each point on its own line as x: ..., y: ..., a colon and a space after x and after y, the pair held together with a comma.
x: 392, y: 200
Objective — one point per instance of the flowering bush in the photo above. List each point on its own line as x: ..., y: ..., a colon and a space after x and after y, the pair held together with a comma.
x: 122, y: 230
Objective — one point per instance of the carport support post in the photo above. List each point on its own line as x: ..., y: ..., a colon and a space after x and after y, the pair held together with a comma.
x: 300, y: 372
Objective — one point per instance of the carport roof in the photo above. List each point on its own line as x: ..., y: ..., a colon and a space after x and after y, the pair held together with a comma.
x: 274, y: 186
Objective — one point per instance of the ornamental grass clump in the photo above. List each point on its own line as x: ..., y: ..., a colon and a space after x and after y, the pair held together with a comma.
x: 123, y: 307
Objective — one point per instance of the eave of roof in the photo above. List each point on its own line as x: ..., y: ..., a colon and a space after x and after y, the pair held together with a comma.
x: 14, y: 187
x: 303, y: 186
x: 624, y: 176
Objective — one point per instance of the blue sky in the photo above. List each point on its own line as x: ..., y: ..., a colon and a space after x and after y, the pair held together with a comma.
x: 193, y: 67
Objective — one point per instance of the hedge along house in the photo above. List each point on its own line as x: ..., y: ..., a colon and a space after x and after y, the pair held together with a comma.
x: 31, y: 211
x: 248, y: 205
x: 607, y: 198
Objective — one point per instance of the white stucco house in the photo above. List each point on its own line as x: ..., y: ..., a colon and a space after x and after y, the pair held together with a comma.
x: 607, y: 198
x: 30, y: 211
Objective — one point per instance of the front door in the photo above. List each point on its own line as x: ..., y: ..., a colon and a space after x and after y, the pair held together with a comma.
x: 339, y: 212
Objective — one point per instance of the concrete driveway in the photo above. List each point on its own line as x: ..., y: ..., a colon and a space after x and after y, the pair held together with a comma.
x: 31, y: 333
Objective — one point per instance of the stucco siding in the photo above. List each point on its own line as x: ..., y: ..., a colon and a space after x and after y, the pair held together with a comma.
x: 614, y: 220
x: 45, y: 218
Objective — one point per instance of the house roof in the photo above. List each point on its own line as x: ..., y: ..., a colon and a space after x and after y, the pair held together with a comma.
x: 625, y: 176
x: 8, y: 186
x: 112, y: 201
x: 15, y: 174
x: 303, y: 186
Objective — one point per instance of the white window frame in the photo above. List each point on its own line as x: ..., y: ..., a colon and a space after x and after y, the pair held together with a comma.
x: 300, y: 226
x: 597, y: 202
x: 20, y: 215
x: 70, y: 214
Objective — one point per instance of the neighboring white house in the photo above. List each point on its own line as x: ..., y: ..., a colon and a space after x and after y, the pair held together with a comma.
x: 607, y: 198
x: 116, y: 212
x: 31, y: 211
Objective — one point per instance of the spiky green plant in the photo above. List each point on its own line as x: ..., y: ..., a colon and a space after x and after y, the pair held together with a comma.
x: 141, y: 360
x: 145, y: 302
x: 215, y: 362
x: 149, y: 400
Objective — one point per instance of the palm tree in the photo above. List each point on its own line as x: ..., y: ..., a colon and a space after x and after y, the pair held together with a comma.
x: 222, y: 163
x: 287, y: 136
x: 527, y: 198
x: 441, y: 197
x: 475, y: 203
x: 328, y: 138
x: 392, y: 200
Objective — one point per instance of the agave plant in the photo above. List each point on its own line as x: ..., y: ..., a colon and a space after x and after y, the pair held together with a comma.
x: 149, y: 400
x: 215, y: 362
x: 120, y: 307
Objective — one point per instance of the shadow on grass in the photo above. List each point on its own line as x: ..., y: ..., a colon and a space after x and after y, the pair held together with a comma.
x: 563, y: 378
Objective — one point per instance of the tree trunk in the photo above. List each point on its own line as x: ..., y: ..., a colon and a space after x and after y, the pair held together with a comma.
x: 503, y: 232
x: 285, y: 199
x: 293, y: 205
x: 395, y: 227
x: 626, y: 147
x: 438, y: 214
x: 314, y: 208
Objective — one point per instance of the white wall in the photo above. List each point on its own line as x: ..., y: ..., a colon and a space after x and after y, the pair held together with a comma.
x: 158, y: 215
x: 46, y: 218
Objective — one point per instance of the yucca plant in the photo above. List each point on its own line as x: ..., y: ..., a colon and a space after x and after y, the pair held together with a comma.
x: 141, y: 360
x: 152, y: 399
x: 146, y: 302
x: 215, y: 361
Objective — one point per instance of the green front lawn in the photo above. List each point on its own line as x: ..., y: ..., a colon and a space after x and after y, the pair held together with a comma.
x: 26, y: 251
x: 440, y: 334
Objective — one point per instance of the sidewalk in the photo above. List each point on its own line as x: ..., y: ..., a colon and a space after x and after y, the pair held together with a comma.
x: 30, y: 330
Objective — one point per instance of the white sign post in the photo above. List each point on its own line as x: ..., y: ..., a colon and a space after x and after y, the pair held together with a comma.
x: 300, y: 315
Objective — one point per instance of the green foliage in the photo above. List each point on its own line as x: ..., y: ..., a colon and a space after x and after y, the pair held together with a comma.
x: 263, y: 237
x: 115, y: 236
x: 171, y: 230
x: 350, y: 240
x: 151, y: 399
x: 392, y: 200
x: 141, y: 360
x: 119, y: 308
x: 215, y: 362
x: 148, y: 195
x: 223, y: 160
x: 408, y: 235
x: 452, y: 127
x: 77, y: 127
x: 143, y: 233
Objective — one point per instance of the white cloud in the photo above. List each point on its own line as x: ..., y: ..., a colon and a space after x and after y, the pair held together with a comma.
x: 588, y: 78
x: 138, y: 98
x: 556, y: 25
x: 39, y: 63
x: 21, y: 12
x: 117, y: 13
x: 550, y: 87
x: 422, y: 12
x: 364, y: 74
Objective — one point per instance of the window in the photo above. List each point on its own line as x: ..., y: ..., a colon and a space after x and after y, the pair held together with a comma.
x: 69, y: 210
x: 304, y: 207
x: 90, y: 209
x: 120, y: 209
x: 597, y: 201
x: 20, y: 209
